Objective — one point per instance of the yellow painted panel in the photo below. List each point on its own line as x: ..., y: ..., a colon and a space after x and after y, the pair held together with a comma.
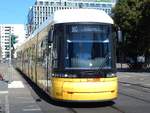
x: 84, y: 89
x: 93, y: 96
x: 56, y: 90
x: 90, y: 86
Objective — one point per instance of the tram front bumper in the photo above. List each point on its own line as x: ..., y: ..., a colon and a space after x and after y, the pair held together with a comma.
x: 88, y: 89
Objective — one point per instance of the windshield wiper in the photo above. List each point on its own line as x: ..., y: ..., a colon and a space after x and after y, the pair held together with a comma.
x: 106, y: 58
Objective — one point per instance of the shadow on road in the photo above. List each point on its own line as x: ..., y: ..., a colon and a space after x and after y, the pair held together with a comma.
x: 84, y: 104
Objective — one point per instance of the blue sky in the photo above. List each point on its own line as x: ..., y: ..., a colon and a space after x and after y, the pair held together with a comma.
x: 14, y: 11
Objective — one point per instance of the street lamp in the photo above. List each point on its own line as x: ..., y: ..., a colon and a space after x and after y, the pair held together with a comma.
x: 119, y: 35
x: 120, y: 41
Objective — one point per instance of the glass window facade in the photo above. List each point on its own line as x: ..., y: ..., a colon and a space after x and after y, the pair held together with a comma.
x: 40, y: 9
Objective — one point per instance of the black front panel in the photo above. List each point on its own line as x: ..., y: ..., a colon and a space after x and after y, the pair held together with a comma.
x: 85, y: 47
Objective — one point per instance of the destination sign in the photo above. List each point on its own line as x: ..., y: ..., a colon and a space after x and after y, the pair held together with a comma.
x: 102, y: 29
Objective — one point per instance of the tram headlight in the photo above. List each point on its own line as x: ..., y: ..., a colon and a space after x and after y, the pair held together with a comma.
x: 70, y: 75
x: 110, y: 75
x: 65, y: 75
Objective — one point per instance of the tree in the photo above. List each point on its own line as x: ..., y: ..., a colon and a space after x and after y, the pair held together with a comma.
x: 132, y: 19
x: 144, y: 28
x: 13, y: 39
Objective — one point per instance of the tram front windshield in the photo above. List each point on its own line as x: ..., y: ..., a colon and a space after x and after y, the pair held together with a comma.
x: 88, y: 46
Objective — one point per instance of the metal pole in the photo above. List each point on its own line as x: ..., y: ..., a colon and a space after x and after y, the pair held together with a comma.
x: 0, y: 54
x: 10, y: 68
x: 10, y: 49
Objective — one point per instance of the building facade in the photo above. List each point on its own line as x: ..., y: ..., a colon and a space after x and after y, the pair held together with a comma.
x: 6, y: 32
x: 42, y: 9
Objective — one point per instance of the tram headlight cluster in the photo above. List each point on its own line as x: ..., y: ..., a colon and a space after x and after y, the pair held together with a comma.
x: 110, y: 75
x: 62, y: 75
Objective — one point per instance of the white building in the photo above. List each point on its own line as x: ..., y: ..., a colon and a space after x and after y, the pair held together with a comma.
x: 42, y: 9
x: 6, y: 31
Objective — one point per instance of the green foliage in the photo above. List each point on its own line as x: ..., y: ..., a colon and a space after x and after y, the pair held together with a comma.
x: 127, y: 14
x: 133, y: 17
x: 144, y: 27
x: 13, y: 39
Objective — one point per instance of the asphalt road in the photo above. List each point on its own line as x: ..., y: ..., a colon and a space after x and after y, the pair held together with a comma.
x: 134, y: 96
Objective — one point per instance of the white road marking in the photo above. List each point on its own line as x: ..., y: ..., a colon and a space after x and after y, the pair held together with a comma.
x: 16, y: 84
x: 36, y: 109
x: 3, y: 92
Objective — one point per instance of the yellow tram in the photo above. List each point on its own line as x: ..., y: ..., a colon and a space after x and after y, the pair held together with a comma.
x: 72, y: 56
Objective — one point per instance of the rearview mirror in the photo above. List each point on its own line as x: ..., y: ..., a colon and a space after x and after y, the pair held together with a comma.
x: 50, y: 35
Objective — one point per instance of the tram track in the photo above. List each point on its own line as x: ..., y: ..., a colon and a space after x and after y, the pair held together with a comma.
x: 112, y: 108
x: 118, y: 109
x: 71, y: 110
x: 144, y: 90
x: 137, y: 87
x: 135, y: 97
x: 134, y: 84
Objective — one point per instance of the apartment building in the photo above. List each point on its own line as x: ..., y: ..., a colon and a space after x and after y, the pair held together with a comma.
x: 6, y: 31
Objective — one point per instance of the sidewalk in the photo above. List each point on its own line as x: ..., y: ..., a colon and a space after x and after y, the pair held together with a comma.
x: 15, y: 96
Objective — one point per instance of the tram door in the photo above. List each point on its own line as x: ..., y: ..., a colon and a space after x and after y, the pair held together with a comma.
x: 49, y: 54
x: 49, y: 68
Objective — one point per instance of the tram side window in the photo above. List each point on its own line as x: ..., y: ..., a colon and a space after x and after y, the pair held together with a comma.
x: 30, y: 56
x: 25, y: 60
x: 39, y: 61
x: 54, y: 51
x: 43, y: 53
x: 18, y: 59
x: 33, y: 53
x: 26, y: 57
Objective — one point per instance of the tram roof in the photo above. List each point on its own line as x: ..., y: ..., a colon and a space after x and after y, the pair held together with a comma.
x: 75, y: 16
x: 81, y: 15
